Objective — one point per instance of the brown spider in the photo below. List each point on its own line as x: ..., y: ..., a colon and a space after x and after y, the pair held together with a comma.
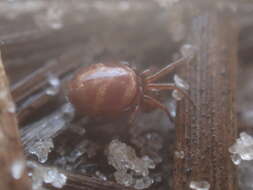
x: 110, y: 89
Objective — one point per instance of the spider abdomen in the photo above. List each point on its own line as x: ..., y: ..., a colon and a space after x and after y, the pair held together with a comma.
x: 103, y: 89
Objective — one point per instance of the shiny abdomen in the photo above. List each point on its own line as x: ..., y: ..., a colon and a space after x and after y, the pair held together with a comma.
x: 103, y: 89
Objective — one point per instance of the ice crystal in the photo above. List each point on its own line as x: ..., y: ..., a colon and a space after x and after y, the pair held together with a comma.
x: 57, y: 121
x: 51, y: 17
x: 236, y: 159
x: 177, y: 95
x: 80, y: 150
x: 243, y: 147
x: 200, y: 185
x: 54, y: 85
x: 101, y: 176
x: 54, y: 177
x: 123, y: 178
x: 149, y: 144
x: 180, y: 83
x: 41, y: 149
x: 17, y: 169
x: 143, y: 183
x: 11, y: 108
x: 172, y: 108
x: 188, y: 51
x: 131, y: 170
x: 179, y: 154
x: 41, y: 174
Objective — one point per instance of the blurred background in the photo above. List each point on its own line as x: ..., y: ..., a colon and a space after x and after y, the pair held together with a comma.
x: 43, y: 42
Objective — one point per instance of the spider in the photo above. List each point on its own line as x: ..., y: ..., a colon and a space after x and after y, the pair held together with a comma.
x: 111, y: 89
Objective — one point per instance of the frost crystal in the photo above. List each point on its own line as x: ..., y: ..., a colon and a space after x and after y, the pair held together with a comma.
x: 54, y: 85
x: 236, y: 159
x: 101, y: 176
x: 78, y: 151
x: 143, y: 183
x: 172, y: 108
x: 243, y: 148
x: 56, y: 122
x: 52, y: 17
x: 179, y: 154
x: 11, y: 107
x: 149, y: 144
x: 55, y: 178
x: 124, y: 178
x: 177, y: 95
x: 200, y: 185
x: 42, y: 175
x: 180, y: 83
x: 68, y: 111
x: 188, y: 51
x: 41, y: 149
x: 17, y: 169
x: 53, y: 80
x: 131, y: 170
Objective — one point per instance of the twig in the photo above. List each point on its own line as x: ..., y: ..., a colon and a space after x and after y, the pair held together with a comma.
x: 38, y: 79
x: 13, y: 173
x: 73, y: 181
x: 204, y: 135
x: 30, y: 93
x: 32, y: 105
x: 78, y: 182
x: 48, y: 127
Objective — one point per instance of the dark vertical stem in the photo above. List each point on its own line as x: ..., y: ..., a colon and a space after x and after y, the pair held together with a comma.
x: 13, y: 175
x: 205, y: 134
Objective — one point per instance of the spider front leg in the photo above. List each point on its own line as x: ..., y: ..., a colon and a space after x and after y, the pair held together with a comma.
x: 169, y: 86
x: 145, y: 73
x: 159, y: 105
x: 167, y: 69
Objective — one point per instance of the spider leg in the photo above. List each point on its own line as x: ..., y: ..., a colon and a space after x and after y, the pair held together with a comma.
x: 169, y: 86
x: 134, y: 114
x: 158, y: 105
x: 164, y: 71
x: 145, y: 72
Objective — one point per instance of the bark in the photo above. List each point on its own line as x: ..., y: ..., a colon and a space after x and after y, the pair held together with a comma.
x: 204, y: 134
x: 12, y: 173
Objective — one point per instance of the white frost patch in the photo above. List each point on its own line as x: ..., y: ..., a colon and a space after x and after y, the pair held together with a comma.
x: 179, y: 154
x: 17, y: 169
x: 180, y: 83
x: 55, y: 84
x: 101, y: 176
x: 188, y: 51
x: 54, y: 177
x: 41, y: 174
x: 130, y: 169
x: 11, y: 107
x: 200, y: 185
x: 242, y: 149
x: 41, y: 149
